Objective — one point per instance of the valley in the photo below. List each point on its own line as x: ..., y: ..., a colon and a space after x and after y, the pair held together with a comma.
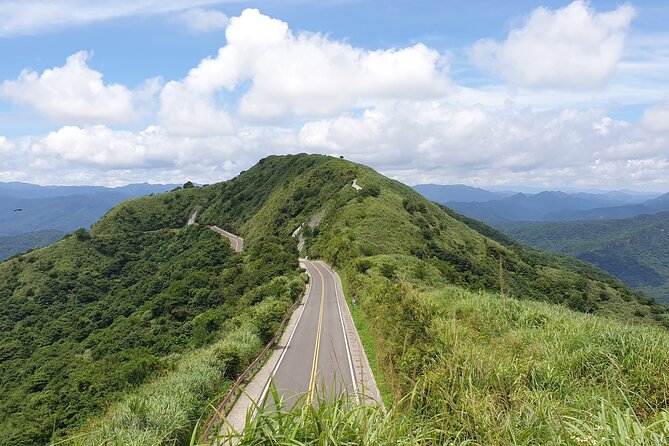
x: 32, y: 216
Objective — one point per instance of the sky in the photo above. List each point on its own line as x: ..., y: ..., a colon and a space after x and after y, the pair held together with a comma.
x: 545, y: 94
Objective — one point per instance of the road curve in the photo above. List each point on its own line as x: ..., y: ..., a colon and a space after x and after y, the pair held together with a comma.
x: 236, y: 242
x: 317, y: 360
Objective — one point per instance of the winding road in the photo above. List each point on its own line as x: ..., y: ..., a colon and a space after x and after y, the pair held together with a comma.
x: 237, y: 242
x: 317, y: 360
x: 319, y: 355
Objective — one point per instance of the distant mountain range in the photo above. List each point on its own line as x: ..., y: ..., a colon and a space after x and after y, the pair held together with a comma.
x: 27, y: 210
x: 27, y: 190
x: 635, y: 250
x: 456, y: 192
x: 498, y: 208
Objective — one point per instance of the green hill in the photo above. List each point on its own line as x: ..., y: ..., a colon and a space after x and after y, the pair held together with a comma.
x: 104, y: 324
x: 88, y: 319
x: 635, y: 250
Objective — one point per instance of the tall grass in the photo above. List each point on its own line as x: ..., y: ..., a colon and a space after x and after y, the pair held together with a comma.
x: 332, y: 421
x: 493, y: 370
x: 340, y: 421
x: 614, y: 427
x: 165, y: 411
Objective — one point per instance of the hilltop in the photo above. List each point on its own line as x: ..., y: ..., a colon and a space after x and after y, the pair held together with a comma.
x: 153, y: 300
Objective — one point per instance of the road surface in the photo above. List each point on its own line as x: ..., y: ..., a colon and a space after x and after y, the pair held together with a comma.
x: 317, y: 360
x: 237, y: 242
x: 291, y: 364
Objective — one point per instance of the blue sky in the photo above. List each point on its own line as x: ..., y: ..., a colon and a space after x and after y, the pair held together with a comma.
x: 546, y: 94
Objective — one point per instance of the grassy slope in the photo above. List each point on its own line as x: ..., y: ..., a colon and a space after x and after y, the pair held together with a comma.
x: 489, y: 370
x: 635, y: 250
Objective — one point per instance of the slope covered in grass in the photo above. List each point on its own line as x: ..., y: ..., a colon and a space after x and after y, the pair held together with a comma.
x: 491, y: 369
x: 387, y: 217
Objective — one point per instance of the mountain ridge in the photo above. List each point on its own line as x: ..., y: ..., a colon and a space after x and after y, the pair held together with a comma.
x: 551, y: 205
x: 142, y: 279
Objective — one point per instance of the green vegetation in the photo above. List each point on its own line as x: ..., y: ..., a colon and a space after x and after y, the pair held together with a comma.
x: 10, y: 246
x: 482, y: 368
x: 336, y: 422
x: 339, y: 422
x: 636, y: 250
x: 163, y: 411
x: 88, y: 320
x: 131, y: 329
x: 495, y: 370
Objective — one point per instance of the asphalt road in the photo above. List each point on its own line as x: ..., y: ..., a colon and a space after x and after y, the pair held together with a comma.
x: 236, y: 242
x: 316, y: 361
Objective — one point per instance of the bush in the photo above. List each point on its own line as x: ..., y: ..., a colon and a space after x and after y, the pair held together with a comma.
x: 82, y: 235
x: 371, y: 190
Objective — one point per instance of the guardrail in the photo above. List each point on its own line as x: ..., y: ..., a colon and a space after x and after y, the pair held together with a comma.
x: 234, y: 391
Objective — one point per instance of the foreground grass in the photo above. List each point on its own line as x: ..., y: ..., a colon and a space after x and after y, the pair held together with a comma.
x: 333, y: 421
x: 507, y: 368
x: 494, y: 370
x: 341, y: 422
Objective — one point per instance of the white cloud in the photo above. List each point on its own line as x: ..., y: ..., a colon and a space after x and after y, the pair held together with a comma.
x: 97, y: 146
x: 438, y: 142
x: 33, y: 16
x: 279, y: 73
x: 573, y: 47
x: 270, y: 90
x: 6, y: 146
x: 204, y: 20
x: 73, y: 92
x: 103, y: 156
x: 188, y: 112
x: 656, y: 118
x: 414, y: 141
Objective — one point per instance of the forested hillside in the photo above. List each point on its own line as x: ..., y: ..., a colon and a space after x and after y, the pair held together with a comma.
x: 97, y: 314
x: 401, y: 222
x: 635, y: 250
x: 119, y: 312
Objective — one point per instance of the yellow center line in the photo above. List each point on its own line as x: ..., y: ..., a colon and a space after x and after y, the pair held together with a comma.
x: 317, y: 349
